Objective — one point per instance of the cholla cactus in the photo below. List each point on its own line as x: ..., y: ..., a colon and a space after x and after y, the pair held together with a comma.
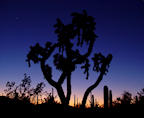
x: 92, y: 102
x: 105, y: 97
x: 110, y: 98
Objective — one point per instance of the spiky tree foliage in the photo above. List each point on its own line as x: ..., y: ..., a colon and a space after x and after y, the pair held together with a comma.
x: 71, y: 38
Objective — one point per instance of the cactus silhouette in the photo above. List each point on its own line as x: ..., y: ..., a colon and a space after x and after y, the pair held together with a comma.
x: 110, y: 98
x: 92, y: 102
x: 68, y: 54
x: 74, y: 100
x: 105, y: 97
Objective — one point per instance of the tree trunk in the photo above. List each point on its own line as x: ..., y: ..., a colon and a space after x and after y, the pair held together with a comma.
x: 91, y: 88
x: 68, y: 88
x: 61, y: 95
x: 57, y: 85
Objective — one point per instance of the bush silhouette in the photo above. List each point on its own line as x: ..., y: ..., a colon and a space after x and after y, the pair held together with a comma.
x: 140, y: 97
x: 71, y: 38
x: 23, y: 92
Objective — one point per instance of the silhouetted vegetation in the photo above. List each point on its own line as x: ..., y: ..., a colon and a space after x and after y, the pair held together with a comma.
x: 105, y: 97
x: 23, y: 92
x: 126, y: 103
x: 71, y: 38
x: 14, y: 101
x: 67, y: 55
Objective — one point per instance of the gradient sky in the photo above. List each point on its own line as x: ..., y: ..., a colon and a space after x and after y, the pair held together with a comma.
x: 120, y: 27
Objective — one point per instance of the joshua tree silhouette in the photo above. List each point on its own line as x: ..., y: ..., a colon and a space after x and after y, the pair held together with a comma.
x: 71, y: 38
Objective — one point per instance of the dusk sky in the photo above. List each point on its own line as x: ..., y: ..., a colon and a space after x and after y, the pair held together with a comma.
x: 120, y: 30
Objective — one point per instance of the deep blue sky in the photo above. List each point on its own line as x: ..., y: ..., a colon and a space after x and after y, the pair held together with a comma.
x: 120, y: 27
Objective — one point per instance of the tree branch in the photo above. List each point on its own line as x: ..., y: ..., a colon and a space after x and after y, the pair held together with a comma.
x: 89, y: 89
x: 62, y: 78
x: 81, y: 58
x: 102, y: 73
x: 68, y: 88
x: 47, y: 73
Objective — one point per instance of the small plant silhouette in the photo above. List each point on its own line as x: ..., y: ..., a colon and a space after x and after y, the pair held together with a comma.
x: 126, y: 98
x: 38, y: 90
x: 92, y: 101
x: 140, y: 97
x: 19, y: 92
x: 71, y: 38
x: 23, y: 92
x: 50, y: 98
